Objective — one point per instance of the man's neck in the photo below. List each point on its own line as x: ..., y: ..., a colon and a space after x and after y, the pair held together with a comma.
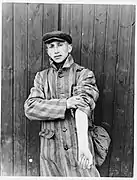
x: 59, y: 65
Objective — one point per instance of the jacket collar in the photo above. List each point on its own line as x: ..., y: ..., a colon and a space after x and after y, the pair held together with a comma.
x: 69, y: 61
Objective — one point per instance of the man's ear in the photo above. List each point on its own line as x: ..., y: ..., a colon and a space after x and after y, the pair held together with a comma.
x: 46, y: 48
x: 69, y: 48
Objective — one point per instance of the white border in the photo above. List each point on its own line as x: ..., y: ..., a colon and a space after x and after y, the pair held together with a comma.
x: 134, y: 2
x: 130, y: 2
x: 76, y: 1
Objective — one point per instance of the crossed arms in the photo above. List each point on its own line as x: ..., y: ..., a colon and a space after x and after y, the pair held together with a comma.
x: 37, y: 107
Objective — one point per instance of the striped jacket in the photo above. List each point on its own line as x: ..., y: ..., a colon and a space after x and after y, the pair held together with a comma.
x: 47, y: 103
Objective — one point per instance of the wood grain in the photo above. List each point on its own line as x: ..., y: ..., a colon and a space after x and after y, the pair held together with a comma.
x: 88, y: 38
x: 35, y: 12
x: 109, y: 73
x: 72, y: 23
x: 50, y: 23
x: 20, y: 87
x: 100, y: 55
x: 6, y: 92
x: 121, y: 137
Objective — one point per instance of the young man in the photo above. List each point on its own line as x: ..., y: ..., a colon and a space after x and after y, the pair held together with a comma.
x: 63, y: 98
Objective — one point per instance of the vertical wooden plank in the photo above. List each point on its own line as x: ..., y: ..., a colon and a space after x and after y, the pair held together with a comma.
x: 71, y: 22
x: 99, y: 55
x: 87, y: 46
x: 50, y: 23
x: 34, y: 65
x: 20, y: 87
x: 66, y: 18
x: 110, y: 62
x: 128, y: 125
x: 76, y: 31
x: 109, y: 73
x: 50, y: 17
x: 129, y: 114
x: 6, y: 92
x: 121, y: 158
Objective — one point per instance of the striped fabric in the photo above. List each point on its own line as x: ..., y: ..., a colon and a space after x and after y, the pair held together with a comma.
x: 47, y: 103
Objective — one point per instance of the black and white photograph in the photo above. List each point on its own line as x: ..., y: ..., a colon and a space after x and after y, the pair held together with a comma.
x: 67, y: 89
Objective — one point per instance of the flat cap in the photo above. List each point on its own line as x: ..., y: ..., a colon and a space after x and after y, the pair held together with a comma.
x: 56, y: 35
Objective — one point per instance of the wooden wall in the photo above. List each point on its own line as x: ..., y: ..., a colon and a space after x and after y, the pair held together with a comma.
x: 103, y: 40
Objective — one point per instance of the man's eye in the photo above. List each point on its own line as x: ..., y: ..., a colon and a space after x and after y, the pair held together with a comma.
x: 51, y: 46
x: 60, y: 44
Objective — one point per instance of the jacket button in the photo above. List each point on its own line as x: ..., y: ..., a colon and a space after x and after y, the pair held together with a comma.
x: 60, y: 75
x: 64, y: 129
x: 66, y: 147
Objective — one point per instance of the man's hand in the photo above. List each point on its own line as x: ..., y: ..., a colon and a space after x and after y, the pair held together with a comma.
x: 75, y: 101
x: 85, y: 158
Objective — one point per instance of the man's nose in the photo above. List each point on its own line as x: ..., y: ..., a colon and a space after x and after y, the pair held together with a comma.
x: 56, y: 50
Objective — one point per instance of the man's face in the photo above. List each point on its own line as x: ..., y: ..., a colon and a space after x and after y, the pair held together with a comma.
x: 58, y: 51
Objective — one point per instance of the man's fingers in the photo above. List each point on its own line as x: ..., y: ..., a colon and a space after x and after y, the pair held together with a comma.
x: 82, y: 161
x: 78, y: 97
x: 89, y: 166
x: 91, y: 161
x: 75, y: 101
x: 80, y: 103
x: 87, y: 163
x: 80, y: 100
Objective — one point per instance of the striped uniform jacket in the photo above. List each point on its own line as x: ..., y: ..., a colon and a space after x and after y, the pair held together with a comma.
x: 47, y: 103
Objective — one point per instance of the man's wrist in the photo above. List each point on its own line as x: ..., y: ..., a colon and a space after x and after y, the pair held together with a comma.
x: 83, y: 142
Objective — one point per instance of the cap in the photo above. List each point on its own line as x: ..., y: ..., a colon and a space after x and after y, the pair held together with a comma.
x: 56, y: 35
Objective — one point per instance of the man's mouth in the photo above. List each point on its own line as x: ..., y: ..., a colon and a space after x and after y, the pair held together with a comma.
x: 58, y: 56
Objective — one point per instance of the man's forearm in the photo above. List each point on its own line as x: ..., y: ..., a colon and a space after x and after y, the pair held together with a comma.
x: 85, y: 158
x: 82, y: 127
x: 37, y: 108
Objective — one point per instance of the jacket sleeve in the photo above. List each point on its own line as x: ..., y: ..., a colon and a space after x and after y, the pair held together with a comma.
x: 37, y: 107
x: 87, y: 89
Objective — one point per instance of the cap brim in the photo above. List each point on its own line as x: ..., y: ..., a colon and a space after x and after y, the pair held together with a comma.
x: 53, y: 39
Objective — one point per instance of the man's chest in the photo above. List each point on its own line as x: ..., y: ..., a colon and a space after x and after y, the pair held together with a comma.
x: 59, y: 84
